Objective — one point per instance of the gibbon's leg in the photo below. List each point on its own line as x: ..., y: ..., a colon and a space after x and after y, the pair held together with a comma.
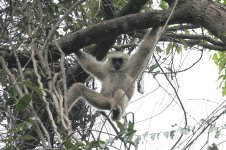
x: 73, y: 94
x: 120, y: 103
x: 93, y: 98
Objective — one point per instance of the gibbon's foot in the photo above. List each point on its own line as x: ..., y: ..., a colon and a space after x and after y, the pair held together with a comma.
x: 116, y: 113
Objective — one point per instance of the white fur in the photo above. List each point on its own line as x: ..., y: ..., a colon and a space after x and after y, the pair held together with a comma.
x: 117, y: 85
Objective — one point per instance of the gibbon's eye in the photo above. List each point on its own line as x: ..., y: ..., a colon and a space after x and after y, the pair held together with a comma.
x: 117, y: 63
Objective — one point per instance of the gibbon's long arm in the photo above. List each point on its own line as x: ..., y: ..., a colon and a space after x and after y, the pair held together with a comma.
x: 91, y: 65
x: 147, y: 46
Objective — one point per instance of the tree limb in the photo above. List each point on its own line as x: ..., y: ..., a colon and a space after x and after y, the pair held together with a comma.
x: 187, y: 12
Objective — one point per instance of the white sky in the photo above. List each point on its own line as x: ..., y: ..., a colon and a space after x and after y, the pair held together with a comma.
x: 198, y: 92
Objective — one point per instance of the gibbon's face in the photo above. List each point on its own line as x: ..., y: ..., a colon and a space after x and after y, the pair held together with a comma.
x: 117, y: 61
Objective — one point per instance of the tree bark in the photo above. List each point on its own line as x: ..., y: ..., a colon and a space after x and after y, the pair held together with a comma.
x: 205, y: 13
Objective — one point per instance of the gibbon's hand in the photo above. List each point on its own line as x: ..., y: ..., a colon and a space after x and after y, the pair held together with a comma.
x: 78, y: 52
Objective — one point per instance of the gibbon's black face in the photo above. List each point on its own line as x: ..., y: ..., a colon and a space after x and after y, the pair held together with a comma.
x: 117, y: 63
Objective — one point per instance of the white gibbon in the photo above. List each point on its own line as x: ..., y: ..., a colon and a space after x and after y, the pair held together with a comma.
x: 117, y: 75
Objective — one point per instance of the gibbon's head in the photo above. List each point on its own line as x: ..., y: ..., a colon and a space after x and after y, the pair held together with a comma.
x: 117, y: 61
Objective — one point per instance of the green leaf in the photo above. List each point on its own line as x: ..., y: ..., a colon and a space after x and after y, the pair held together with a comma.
x: 168, y: 49
x: 69, y: 145
x: 166, y: 134
x: 163, y: 5
x: 9, y: 140
x: 137, y: 141
x: 224, y: 89
x: 120, y: 126
x: 156, y: 73
x: 172, y: 133
x: 215, y: 58
x: 130, y: 126
x: 222, y: 65
x: 153, y: 67
x: 158, y: 49
x: 10, y: 147
x: 95, y: 144
x: 26, y: 137
x: 178, y: 49
x: 152, y: 136
x: 187, y: 31
x: 23, y: 102
x: 131, y: 133
x: 184, y: 130
x: 219, y: 59
x: 30, y: 85
x: 37, y: 90
x: 169, y: 69
x: 26, y: 82
x: 217, y: 134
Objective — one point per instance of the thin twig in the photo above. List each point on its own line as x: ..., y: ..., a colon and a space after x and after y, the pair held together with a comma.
x: 11, y: 76
x: 58, y: 23
x: 63, y: 108
x: 58, y: 136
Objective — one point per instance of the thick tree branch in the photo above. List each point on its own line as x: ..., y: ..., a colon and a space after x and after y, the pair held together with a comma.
x: 107, y: 29
x: 204, y: 13
x: 141, y: 21
x: 197, y: 37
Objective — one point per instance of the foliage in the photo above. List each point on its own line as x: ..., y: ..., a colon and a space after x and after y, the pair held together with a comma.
x: 220, y: 60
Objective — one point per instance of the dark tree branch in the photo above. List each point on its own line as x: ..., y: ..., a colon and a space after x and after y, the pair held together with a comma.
x: 133, y: 6
x: 195, y: 12
x: 182, y: 27
x: 204, y: 45
x: 102, y: 47
x: 196, y: 37
x: 108, y: 8
x: 192, y: 43
x: 206, y: 13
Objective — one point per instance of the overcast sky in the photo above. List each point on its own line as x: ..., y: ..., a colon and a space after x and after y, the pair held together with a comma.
x: 198, y: 92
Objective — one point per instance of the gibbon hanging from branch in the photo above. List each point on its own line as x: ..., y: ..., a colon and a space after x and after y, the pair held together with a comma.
x: 117, y: 75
